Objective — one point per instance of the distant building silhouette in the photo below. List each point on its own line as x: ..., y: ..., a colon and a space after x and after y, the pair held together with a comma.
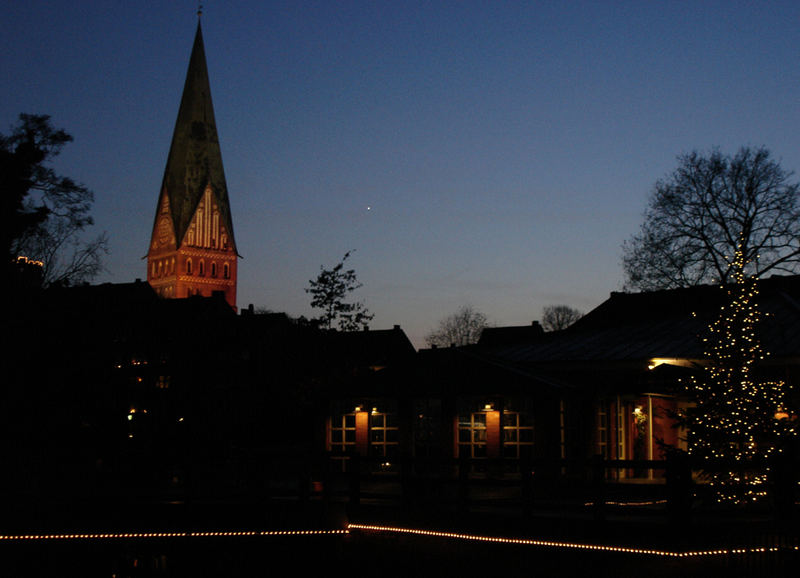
x: 192, y: 249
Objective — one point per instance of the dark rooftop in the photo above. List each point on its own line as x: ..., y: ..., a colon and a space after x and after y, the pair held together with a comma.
x: 669, y: 323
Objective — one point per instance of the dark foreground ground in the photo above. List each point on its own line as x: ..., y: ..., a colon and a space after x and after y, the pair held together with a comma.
x: 370, y: 552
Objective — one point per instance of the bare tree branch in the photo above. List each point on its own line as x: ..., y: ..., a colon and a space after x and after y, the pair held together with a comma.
x: 557, y: 317
x: 698, y: 215
x: 463, y: 327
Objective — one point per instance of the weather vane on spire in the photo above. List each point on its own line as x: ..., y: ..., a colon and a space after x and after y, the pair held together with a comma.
x: 199, y: 9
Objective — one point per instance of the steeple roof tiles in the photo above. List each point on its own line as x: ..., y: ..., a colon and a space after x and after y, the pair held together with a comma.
x: 195, y: 158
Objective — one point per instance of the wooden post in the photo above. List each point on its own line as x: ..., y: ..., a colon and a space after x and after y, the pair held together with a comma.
x: 526, y: 478
x: 598, y: 486
x: 679, y: 487
x: 463, y: 482
x: 354, y: 479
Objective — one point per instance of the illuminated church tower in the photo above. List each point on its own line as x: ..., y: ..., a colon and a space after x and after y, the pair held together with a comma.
x: 192, y: 249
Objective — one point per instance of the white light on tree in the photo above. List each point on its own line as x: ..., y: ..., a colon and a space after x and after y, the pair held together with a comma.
x: 736, y: 417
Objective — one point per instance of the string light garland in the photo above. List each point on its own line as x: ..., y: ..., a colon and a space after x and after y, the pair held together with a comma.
x: 736, y: 419
x: 144, y: 535
x: 570, y: 545
x: 637, y: 504
x: 398, y: 530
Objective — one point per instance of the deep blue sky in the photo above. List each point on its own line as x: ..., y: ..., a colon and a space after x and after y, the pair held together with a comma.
x: 506, y: 149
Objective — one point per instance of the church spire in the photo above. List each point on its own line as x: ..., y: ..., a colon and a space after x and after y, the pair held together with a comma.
x: 195, y: 159
x: 193, y: 228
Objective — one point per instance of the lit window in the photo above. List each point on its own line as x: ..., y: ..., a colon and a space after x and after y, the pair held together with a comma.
x: 382, y: 434
x: 602, y: 430
x: 517, y: 435
x: 472, y: 435
x: 342, y: 436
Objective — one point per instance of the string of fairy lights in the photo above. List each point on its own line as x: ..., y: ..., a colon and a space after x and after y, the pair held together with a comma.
x: 145, y: 535
x: 572, y: 545
x: 737, y: 419
x: 400, y: 530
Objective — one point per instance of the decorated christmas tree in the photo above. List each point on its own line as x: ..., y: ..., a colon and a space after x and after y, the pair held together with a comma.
x: 736, y: 424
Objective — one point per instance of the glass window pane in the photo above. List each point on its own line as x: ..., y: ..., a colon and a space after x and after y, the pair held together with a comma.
x: 525, y: 452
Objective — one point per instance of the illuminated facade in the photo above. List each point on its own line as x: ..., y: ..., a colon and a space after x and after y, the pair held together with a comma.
x: 610, y: 386
x: 192, y: 249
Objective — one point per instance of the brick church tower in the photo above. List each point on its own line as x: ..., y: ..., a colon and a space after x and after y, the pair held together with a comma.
x: 192, y: 249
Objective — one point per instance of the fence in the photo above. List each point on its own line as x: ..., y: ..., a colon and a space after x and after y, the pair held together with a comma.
x: 671, y: 487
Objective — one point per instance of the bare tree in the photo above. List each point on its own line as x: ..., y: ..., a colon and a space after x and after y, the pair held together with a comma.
x: 698, y: 215
x: 45, y: 214
x: 460, y: 328
x: 328, y: 293
x: 556, y: 317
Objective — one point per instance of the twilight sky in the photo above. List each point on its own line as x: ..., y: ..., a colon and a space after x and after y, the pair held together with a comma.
x: 487, y: 153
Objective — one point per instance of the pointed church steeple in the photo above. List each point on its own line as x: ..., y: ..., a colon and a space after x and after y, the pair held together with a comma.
x: 192, y: 249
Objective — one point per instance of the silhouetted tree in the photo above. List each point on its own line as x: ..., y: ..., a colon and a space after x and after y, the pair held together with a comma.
x: 698, y: 215
x: 44, y: 213
x: 557, y: 317
x: 328, y: 293
x: 460, y: 328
